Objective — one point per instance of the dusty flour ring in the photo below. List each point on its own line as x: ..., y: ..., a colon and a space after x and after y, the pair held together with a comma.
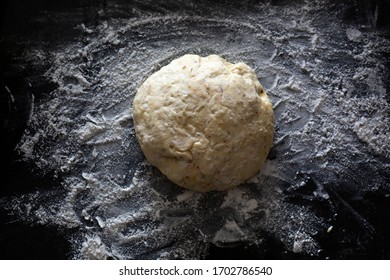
x: 314, y: 115
x: 205, y: 123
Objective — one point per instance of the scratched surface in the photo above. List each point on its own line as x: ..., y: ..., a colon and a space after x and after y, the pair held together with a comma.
x: 325, y: 186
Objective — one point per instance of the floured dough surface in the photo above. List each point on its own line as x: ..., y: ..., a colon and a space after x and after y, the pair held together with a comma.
x: 205, y: 123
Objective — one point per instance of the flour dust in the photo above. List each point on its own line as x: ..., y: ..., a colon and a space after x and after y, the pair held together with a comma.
x: 325, y: 78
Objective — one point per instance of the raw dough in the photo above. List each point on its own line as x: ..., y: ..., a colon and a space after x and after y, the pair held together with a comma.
x: 205, y: 123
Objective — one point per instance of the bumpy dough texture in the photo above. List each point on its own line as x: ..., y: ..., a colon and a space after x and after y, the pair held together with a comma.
x: 205, y: 123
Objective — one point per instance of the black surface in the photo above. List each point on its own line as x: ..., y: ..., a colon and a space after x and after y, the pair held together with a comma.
x: 19, y: 240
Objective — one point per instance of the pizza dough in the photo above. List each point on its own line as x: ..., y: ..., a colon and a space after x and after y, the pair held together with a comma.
x: 205, y: 123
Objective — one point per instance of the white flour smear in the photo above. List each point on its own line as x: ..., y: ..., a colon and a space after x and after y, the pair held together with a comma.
x: 327, y: 86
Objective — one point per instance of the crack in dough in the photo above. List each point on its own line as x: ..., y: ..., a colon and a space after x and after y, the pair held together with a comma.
x: 205, y: 123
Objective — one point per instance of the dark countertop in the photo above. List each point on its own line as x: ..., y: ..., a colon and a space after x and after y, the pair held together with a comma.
x: 343, y: 197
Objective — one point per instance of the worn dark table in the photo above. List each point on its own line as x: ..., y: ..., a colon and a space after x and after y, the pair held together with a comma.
x: 25, y: 22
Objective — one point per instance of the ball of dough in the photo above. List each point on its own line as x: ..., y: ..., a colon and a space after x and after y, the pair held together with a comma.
x: 205, y: 123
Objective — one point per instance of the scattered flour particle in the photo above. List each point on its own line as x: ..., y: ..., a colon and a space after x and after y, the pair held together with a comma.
x: 353, y: 34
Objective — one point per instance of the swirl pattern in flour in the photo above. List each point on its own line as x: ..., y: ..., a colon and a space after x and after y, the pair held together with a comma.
x: 327, y: 85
